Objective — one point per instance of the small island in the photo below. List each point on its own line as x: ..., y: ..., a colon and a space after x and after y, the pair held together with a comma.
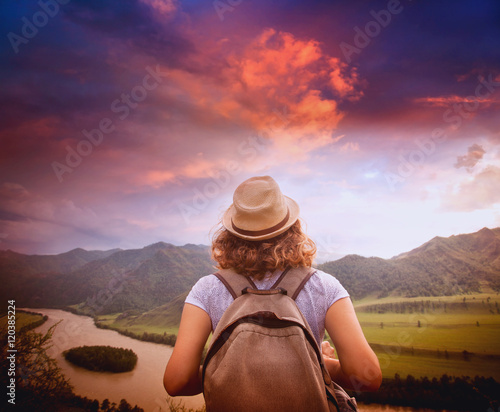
x: 102, y: 358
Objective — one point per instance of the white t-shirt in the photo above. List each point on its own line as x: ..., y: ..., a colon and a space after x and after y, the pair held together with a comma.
x: 319, y: 293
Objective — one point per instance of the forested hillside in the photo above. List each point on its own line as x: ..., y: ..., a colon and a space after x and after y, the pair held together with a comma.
x: 145, y: 279
x: 442, y: 266
x: 127, y: 279
x: 17, y: 264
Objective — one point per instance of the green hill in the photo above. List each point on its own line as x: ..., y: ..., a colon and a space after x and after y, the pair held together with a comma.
x: 17, y: 264
x: 443, y: 266
x: 126, y: 279
x: 161, y: 318
x: 169, y: 272
x: 141, y: 280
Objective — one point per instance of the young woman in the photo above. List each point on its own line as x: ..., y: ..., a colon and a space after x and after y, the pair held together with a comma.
x: 260, y: 236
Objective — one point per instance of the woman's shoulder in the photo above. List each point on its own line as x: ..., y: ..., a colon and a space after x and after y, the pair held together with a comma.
x: 207, y: 281
x: 325, y: 277
x: 325, y: 282
x: 207, y: 289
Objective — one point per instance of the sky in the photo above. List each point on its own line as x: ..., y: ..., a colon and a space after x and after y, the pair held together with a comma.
x: 125, y: 123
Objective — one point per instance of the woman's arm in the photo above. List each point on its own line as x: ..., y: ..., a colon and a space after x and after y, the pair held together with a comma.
x: 357, y: 367
x: 183, y: 373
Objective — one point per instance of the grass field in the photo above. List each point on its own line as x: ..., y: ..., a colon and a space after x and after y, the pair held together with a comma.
x: 22, y: 319
x: 424, y: 341
x: 139, y: 328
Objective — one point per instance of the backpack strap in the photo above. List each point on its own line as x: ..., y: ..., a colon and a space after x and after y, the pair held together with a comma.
x: 294, y: 280
x: 234, y: 282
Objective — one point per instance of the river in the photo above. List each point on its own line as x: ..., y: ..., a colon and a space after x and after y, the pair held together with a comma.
x: 144, y: 385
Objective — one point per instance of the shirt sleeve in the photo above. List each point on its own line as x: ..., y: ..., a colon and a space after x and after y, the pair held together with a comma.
x: 198, y: 296
x: 334, y: 290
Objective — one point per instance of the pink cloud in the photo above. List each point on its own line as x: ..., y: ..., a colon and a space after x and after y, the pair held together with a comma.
x: 350, y: 146
x: 474, y: 154
x: 164, y: 7
x: 480, y: 192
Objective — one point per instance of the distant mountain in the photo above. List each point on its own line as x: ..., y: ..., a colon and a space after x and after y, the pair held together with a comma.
x: 23, y: 277
x: 168, y: 272
x: 113, y: 281
x: 442, y: 266
x: 17, y: 264
x: 150, y: 280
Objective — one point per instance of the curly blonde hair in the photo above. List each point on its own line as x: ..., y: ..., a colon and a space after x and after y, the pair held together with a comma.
x: 255, y: 258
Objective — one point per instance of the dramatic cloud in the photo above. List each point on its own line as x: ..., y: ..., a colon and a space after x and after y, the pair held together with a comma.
x: 275, y: 85
x: 155, y: 110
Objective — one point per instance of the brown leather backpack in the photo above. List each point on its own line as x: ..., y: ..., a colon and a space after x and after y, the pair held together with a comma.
x: 263, y: 356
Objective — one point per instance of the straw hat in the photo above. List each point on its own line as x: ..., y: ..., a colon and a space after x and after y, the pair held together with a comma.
x: 259, y: 210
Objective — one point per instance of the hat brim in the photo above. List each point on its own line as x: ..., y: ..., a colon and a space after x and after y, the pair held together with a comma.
x: 293, y: 208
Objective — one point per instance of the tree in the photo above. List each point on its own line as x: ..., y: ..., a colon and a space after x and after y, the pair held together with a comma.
x: 38, y: 377
x: 124, y: 406
x: 105, y: 405
x: 40, y: 383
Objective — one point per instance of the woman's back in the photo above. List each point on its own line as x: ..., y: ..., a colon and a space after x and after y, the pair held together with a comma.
x: 259, y: 237
x: 319, y: 293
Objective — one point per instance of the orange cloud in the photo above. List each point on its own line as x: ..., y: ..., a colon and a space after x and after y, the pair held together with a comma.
x: 195, y: 168
x: 274, y: 59
x: 275, y: 85
x: 272, y: 87
x: 344, y: 82
x: 446, y: 101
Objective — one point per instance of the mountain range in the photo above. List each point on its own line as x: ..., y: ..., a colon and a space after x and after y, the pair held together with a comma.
x: 143, y: 280
x: 442, y: 266
x: 104, y: 282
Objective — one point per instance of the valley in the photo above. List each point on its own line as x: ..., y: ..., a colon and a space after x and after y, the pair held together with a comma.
x: 430, y: 313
